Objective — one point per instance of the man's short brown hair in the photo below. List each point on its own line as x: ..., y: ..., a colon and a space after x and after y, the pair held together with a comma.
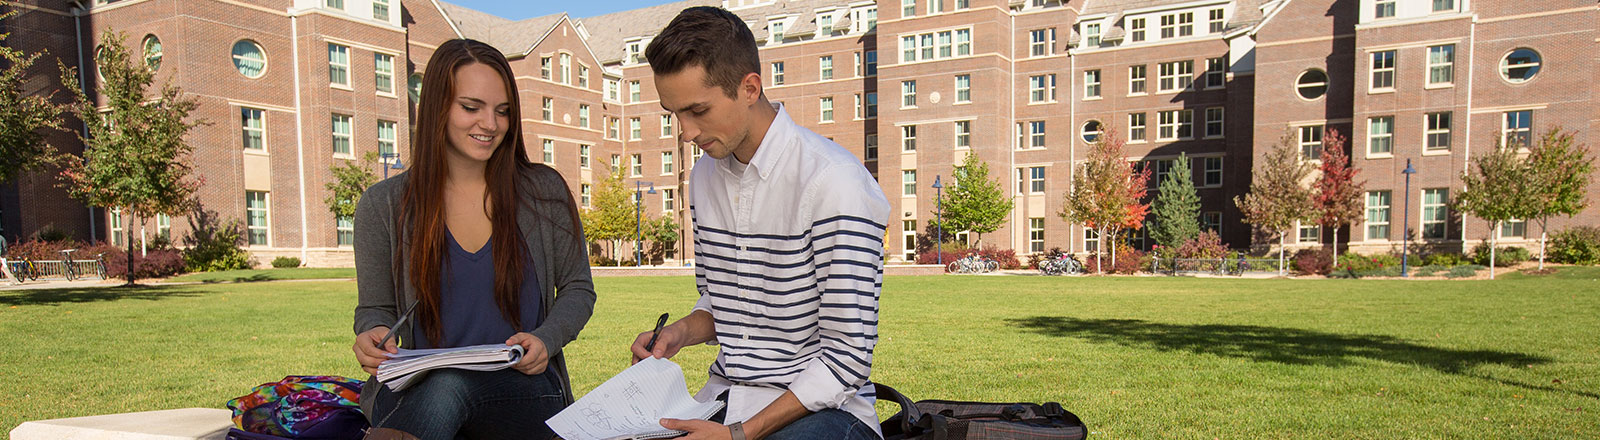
x: 712, y: 38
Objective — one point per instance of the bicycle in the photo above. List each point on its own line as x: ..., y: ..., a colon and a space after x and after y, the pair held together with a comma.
x: 1065, y: 264
x: 100, y: 265
x: 972, y: 264
x: 66, y: 259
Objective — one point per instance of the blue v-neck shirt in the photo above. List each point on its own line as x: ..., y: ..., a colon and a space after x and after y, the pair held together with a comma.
x: 468, y: 312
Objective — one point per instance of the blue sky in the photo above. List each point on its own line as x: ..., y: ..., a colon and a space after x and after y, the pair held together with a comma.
x: 518, y: 10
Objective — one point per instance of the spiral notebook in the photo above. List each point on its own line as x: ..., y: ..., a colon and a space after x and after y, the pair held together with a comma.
x: 408, y: 366
x: 631, y: 405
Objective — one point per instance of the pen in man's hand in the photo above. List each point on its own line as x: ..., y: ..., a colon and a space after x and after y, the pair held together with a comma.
x: 653, y: 335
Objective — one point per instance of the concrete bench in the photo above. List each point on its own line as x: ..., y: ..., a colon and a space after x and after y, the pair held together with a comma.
x: 172, y: 424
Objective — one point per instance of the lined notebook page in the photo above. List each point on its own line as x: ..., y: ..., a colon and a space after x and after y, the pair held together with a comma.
x: 631, y: 405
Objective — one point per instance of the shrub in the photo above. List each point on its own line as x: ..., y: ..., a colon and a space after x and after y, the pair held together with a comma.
x: 1129, y: 261
x: 1445, y: 259
x: 1463, y: 271
x: 1576, y: 245
x: 1036, y: 258
x: 601, y: 260
x: 214, y: 245
x: 1207, y: 245
x: 155, y: 263
x: 1504, y: 257
x: 1313, y: 262
x: 1429, y: 270
x: 930, y: 255
x: 1006, y: 257
x: 51, y: 233
x: 286, y: 262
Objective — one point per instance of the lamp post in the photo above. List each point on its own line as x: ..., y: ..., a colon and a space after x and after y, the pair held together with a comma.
x: 395, y: 164
x: 938, y: 244
x: 1405, y: 229
x: 638, y: 215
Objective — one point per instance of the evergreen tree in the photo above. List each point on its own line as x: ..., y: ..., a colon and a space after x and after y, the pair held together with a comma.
x: 1177, y: 207
x: 1561, y: 172
x: 974, y: 202
x: 1277, y: 199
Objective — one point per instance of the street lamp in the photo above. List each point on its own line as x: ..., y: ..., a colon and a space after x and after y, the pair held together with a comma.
x: 395, y: 164
x: 938, y: 244
x: 1405, y: 248
x: 638, y: 214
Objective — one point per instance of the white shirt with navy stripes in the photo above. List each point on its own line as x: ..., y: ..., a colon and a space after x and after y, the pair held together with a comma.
x: 789, y: 262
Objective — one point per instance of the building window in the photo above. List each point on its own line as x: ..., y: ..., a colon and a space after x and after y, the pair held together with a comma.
x: 1383, y: 9
x: 1312, y: 84
x: 1216, y: 21
x: 544, y: 68
x: 668, y: 199
x: 1444, y: 5
x: 908, y: 138
x: 548, y: 109
x: 963, y: 42
x: 1378, y: 215
x: 1036, y: 134
x: 1441, y: 64
x: 583, y: 192
x: 1091, y: 131
x: 380, y: 10
x: 116, y: 226
x: 1136, y: 80
x: 1091, y: 240
x: 666, y: 162
x: 334, y: 4
x: 1311, y: 142
x: 1216, y: 72
x: 341, y: 134
x: 1438, y: 131
x: 253, y: 123
x: 871, y: 147
x: 415, y: 87
x: 1310, y: 233
x: 1519, y: 66
x: 386, y: 139
x: 1036, y: 234
x: 963, y: 88
x: 944, y: 44
x: 926, y: 46
x: 164, y: 227
x: 1177, y: 25
x: 872, y: 63
x: 633, y: 92
x: 613, y: 128
x: 777, y: 32
x: 1091, y: 84
x: 549, y: 152
x: 249, y: 59
x: 666, y: 126
x: 908, y: 48
x: 635, y: 52
x: 1214, y: 123
x: 1163, y: 168
x: 616, y: 162
x: 872, y: 105
x: 1042, y: 88
x: 858, y: 106
x: 777, y: 73
x: 256, y: 217
x: 1212, y: 171
x: 583, y: 76
x: 826, y: 63
x: 1036, y: 180
x: 908, y: 8
x: 583, y: 115
x: 908, y: 243
x: 935, y: 6
x: 1174, y: 76
x: 826, y: 104
x: 825, y: 25
x: 1091, y: 35
x: 1435, y: 213
x: 908, y: 180
x: 345, y: 230
x: 908, y: 93
x: 1175, y: 125
x: 338, y: 65
x: 566, y: 68
x: 963, y: 131
x: 1380, y: 135
x: 383, y: 72
x: 1518, y: 129
x: 1041, y: 42
x: 635, y: 129
x: 613, y: 90
x: 1383, y: 70
x: 152, y: 52
x: 1136, y: 29
x: 1211, y: 221
x: 1136, y: 127
x: 583, y: 156
x: 1514, y: 228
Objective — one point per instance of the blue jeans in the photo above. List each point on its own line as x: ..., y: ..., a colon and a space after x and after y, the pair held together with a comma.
x: 451, y: 403
x: 830, y: 424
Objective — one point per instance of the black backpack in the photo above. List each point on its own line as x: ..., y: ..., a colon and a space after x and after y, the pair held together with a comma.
x: 952, y: 420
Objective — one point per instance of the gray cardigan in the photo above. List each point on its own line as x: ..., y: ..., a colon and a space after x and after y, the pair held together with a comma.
x: 559, y: 254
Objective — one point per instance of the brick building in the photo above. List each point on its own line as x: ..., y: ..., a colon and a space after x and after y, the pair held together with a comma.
x: 293, y: 87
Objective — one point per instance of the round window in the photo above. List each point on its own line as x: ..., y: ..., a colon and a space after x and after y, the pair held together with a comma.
x: 249, y: 59
x: 1091, y: 131
x: 1312, y: 84
x: 152, y: 52
x: 1520, y: 65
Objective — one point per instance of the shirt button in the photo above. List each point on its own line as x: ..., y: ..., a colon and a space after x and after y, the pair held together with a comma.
x: 746, y: 337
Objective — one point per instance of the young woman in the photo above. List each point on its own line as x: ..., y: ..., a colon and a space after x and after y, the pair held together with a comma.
x: 488, y: 247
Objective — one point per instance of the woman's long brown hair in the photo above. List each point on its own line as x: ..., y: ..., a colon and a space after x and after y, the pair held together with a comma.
x: 422, y: 205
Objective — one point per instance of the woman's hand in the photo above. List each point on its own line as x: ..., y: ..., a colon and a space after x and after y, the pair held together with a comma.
x: 534, y: 356
x: 367, y: 351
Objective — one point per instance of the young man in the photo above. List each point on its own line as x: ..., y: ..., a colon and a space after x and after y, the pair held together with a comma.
x: 788, y: 243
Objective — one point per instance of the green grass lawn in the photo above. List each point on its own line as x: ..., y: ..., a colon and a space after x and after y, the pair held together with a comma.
x: 250, y: 275
x: 1146, y: 357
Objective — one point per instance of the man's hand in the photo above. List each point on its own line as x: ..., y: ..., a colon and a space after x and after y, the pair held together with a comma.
x: 667, y: 343
x: 367, y: 351
x: 534, y: 357
x: 697, y: 429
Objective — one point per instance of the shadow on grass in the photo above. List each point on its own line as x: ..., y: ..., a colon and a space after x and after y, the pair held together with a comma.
x: 46, y: 297
x: 1284, y: 345
x: 249, y: 279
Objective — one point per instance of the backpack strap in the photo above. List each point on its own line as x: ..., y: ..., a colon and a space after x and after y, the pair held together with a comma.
x: 913, y: 420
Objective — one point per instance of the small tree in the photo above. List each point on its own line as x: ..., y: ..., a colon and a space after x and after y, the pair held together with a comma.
x: 350, y: 180
x: 974, y: 202
x: 134, y: 156
x: 663, y: 233
x: 1277, y: 199
x: 1560, y: 174
x: 24, y: 118
x: 1497, y: 189
x: 610, y: 216
x: 1107, y: 193
x: 1337, y: 200
x: 1177, y: 207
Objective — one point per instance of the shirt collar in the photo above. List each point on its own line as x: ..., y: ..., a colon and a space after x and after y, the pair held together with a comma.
x: 771, y: 147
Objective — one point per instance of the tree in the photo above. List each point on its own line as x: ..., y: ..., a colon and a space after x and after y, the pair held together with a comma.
x: 1277, y: 199
x: 663, y: 233
x: 1177, y: 207
x: 1497, y: 189
x: 1107, y: 193
x: 1337, y: 200
x: 350, y: 180
x: 134, y: 156
x: 610, y: 216
x: 973, y: 202
x: 24, y: 118
x: 1560, y: 174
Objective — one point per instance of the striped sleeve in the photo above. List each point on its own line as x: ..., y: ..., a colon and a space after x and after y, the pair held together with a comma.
x: 704, y: 303
x: 849, y: 212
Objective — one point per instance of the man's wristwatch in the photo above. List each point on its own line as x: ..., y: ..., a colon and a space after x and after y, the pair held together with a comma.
x: 736, y: 430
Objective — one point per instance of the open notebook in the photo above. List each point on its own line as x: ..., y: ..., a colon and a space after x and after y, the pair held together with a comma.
x: 408, y: 366
x: 631, y: 405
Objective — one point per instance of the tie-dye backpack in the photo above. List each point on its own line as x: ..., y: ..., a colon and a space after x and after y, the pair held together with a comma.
x: 300, y: 407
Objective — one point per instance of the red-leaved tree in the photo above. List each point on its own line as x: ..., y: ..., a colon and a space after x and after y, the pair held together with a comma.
x: 1107, y: 193
x: 1337, y: 196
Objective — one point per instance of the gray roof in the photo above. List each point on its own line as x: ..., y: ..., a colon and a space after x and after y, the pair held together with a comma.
x: 511, y: 37
x: 1245, y: 12
x: 608, y: 32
